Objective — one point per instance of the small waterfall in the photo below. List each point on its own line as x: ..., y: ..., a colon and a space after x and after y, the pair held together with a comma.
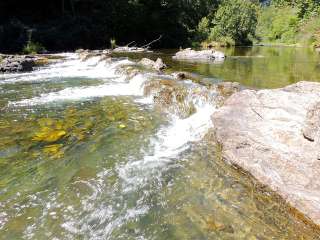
x: 187, y: 105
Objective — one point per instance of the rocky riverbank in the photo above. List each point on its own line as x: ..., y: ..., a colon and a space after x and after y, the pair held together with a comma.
x: 275, y: 136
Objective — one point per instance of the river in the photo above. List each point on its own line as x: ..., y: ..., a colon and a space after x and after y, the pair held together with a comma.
x: 85, y: 154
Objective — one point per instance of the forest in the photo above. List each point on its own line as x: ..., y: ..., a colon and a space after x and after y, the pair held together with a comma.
x: 57, y: 25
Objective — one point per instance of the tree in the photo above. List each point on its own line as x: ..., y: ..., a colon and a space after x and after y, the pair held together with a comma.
x: 236, y: 19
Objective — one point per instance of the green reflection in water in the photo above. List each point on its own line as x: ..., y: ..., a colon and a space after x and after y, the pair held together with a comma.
x: 257, y: 67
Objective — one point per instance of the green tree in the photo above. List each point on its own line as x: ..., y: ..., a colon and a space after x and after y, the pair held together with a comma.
x: 235, y: 19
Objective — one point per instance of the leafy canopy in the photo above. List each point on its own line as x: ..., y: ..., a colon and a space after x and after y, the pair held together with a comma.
x: 236, y: 19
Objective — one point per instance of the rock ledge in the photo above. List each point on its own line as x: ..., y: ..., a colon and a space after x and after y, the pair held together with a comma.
x: 275, y: 136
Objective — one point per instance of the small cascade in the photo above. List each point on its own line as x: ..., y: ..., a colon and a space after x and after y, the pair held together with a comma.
x: 187, y: 106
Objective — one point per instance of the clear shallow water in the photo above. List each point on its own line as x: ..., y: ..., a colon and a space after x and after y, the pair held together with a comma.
x: 257, y: 67
x: 84, y: 155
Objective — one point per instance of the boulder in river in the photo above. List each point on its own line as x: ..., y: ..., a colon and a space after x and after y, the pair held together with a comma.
x: 187, y: 76
x: 87, y: 54
x: 189, y: 54
x: 17, y: 63
x: 274, y: 135
x: 157, y: 65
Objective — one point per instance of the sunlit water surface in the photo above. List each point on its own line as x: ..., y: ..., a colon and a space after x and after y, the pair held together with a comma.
x: 84, y: 155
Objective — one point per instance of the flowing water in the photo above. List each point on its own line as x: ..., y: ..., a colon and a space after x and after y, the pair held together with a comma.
x: 86, y: 153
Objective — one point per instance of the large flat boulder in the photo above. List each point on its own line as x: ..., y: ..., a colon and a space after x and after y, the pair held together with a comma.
x: 275, y: 136
x: 203, y: 55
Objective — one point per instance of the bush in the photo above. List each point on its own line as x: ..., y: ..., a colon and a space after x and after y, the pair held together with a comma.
x: 309, y: 33
x: 278, y: 25
x: 201, y: 33
x: 203, y: 29
x: 113, y: 43
x: 235, y: 19
x: 33, y: 48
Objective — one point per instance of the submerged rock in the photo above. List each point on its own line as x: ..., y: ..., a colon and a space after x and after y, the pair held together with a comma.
x: 189, y: 54
x: 49, y: 135
x: 274, y: 135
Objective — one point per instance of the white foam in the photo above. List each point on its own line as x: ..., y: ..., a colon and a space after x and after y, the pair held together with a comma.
x: 169, y: 142
x: 71, y: 67
x: 132, y: 88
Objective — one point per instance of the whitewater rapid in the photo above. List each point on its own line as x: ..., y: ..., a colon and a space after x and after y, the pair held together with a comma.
x: 168, y: 143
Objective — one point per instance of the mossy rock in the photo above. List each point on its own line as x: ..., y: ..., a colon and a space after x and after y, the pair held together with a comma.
x: 54, y: 150
x: 49, y: 135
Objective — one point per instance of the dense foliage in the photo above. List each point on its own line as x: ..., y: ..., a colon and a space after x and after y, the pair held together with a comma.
x: 58, y: 25
x: 235, y: 19
x: 290, y: 22
x: 278, y: 25
x: 71, y: 24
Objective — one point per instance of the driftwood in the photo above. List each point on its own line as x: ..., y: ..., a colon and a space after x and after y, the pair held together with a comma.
x: 152, y: 42
x: 135, y: 49
x: 130, y: 49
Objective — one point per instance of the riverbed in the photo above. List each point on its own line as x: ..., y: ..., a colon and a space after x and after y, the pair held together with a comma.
x: 85, y: 154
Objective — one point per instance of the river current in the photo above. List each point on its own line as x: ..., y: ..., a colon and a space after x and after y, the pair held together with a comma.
x: 86, y: 154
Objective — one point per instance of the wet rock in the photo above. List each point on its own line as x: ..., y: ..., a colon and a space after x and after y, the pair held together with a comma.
x: 49, y: 135
x: 53, y: 150
x: 154, y: 86
x: 157, y: 65
x: 42, y: 61
x: 87, y: 54
x: 226, y: 89
x: 189, y: 54
x: 187, y: 76
x: 181, y: 75
x: 129, y: 71
x: 264, y: 132
x: 170, y: 96
x: 17, y: 63
x: 147, y: 62
x: 80, y: 50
